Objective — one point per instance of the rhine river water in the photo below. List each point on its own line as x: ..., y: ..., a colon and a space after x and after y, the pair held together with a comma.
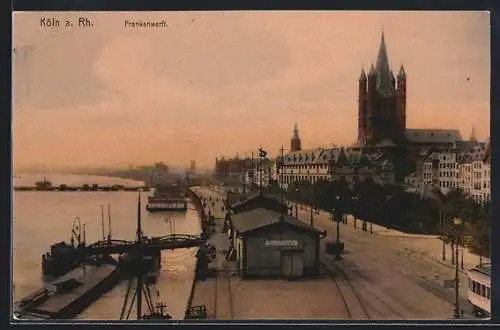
x: 44, y: 218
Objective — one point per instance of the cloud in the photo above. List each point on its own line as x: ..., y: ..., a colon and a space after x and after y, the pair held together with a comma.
x: 221, y: 83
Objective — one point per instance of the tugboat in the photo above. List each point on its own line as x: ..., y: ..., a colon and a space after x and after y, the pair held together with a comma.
x: 43, y: 185
x: 63, y: 257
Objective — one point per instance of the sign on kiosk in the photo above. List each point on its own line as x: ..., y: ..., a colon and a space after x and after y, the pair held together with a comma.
x: 288, y: 243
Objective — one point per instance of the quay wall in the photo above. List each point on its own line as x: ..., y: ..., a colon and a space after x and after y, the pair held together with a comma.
x: 191, y: 296
x: 198, y: 204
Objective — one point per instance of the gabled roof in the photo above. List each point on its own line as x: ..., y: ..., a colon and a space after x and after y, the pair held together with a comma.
x: 417, y: 135
x: 476, y: 153
x: 253, y: 196
x: 233, y: 197
x: 248, y: 221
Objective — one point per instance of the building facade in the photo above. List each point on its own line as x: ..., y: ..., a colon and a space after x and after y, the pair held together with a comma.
x: 467, y: 169
x: 334, y: 164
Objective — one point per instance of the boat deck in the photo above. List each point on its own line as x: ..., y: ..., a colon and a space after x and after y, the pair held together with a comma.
x: 81, y: 283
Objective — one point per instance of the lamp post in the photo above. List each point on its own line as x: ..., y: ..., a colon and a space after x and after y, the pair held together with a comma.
x: 354, y: 200
x: 458, y: 227
x: 313, y: 200
x: 441, y: 220
x: 335, y: 218
x: 462, y: 248
x: 338, y: 240
x: 388, y: 198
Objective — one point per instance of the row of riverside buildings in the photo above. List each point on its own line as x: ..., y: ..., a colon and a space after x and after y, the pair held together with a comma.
x: 386, y: 151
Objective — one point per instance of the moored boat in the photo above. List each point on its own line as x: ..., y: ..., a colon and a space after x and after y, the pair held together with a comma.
x: 166, y: 203
x: 68, y: 295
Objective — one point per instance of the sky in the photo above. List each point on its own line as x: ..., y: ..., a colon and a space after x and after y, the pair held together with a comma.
x: 220, y: 83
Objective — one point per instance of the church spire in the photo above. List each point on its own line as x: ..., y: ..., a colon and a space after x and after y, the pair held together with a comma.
x: 372, y: 71
x: 295, y: 131
x: 382, y: 66
x: 402, y: 73
x: 295, y: 142
x: 362, y: 76
x: 473, y: 137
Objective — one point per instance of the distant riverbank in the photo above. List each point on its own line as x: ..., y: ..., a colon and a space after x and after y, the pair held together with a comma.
x: 72, y: 180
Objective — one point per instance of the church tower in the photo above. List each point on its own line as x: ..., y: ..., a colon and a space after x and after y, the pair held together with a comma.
x: 381, y: 102
x: 295, y: 142
x: 473, y: 137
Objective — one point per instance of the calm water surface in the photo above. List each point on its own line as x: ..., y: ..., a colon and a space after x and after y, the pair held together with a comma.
x: 44, y: 218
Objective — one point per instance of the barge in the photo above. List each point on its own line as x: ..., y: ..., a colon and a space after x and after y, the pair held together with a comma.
x: 69, y: 295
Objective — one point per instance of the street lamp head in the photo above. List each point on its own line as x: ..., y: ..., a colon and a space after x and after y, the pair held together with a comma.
x: 337, y: 197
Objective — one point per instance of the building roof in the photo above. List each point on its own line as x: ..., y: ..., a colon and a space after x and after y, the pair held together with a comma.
x: 243, y: 199
x: 248, y: 221
x: 484, y: 269
x: 477, y: 152
x: 233, y: 197
x: 417, y: 135
x: 321, y: 156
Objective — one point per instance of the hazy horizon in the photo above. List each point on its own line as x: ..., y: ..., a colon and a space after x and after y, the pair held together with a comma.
x: 222, y: 83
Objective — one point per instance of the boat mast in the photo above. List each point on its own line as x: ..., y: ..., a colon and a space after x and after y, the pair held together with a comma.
x: 84, y: 266
x: 138, y: 292
x: 109, y: 222
x: 102, y: 222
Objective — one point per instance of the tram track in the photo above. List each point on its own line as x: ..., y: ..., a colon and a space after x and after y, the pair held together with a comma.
x: 413, y: 267
x: 348, y: 294
x: 368, y: 297
x: 223, y: 297
x: 216, y: 295
x: 420, y: 281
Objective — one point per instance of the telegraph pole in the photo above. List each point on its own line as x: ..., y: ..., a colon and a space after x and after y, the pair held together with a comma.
x: 262, y: 155
x: 280, y: 179
x: 245, y: 175
x: 253, y: 173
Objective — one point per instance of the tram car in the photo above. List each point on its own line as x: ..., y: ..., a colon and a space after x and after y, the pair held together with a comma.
x: 479, y: 290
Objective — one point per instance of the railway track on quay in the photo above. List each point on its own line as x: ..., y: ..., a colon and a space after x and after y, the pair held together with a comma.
x: 417, y: 269
x: 223, y: 297
x: 353, y: 304
x: 364, y: 302
x: 421, y: 281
